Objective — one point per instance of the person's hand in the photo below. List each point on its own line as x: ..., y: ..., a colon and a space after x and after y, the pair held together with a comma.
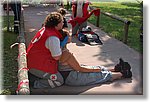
x: 69, y: 39
x: 65, y: 49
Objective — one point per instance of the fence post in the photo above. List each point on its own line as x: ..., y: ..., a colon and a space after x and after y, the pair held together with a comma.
x: 126, y: 28
x: 8, y: 20
x: 98, y: 17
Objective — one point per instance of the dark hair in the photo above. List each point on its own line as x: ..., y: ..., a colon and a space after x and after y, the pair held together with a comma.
x: 64, y: 33
x: 62, y: 11
x: 53, y: 19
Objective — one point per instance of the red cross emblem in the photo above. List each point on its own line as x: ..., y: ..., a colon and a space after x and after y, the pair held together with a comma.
x: 53, y: 77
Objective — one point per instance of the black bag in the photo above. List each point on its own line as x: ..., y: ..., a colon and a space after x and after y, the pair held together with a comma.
x: 93, y: 39
x: 90, y: 38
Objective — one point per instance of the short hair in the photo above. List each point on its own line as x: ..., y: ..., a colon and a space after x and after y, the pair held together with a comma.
x: 62, y: 11
x: 53, y: 19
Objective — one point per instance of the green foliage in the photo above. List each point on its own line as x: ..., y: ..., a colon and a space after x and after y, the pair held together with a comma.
x: 5, y: 21
x: 9, y: 61
x: 128, y: 11
x: 6, y: 92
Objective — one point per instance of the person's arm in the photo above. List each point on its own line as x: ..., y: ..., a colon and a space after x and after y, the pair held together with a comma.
x: 69, y: 59
x: 53, y: 44
x: 82, y: 69
x: 57, y: 57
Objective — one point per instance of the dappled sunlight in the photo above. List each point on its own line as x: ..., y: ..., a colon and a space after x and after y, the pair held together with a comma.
x: 39, y: 14
x: 43, y: 13
x: 32, y: 30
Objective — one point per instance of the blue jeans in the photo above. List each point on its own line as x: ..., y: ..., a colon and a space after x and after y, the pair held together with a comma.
x: 79, y: 78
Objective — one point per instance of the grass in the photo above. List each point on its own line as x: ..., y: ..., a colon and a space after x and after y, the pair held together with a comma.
x: 129, y: 11
x: 9, y: 60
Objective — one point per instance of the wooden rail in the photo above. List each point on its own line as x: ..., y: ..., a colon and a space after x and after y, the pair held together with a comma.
x: 126, y: 23
x: 23, y: 82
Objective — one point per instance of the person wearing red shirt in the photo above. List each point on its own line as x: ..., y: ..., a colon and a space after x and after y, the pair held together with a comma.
x: 45, y: 52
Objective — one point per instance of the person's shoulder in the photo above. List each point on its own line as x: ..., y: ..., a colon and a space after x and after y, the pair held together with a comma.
x: 53, y: 38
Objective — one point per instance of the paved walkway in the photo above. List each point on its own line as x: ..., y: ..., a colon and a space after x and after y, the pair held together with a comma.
x: 106, y: 54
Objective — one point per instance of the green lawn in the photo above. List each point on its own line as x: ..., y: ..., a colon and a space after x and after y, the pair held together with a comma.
x: 129, y: 11
x: 10, y: 63
x: 9, y: 60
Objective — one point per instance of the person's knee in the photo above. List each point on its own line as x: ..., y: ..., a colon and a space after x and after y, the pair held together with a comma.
x: 52, y: 81
x: 60, y: 80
